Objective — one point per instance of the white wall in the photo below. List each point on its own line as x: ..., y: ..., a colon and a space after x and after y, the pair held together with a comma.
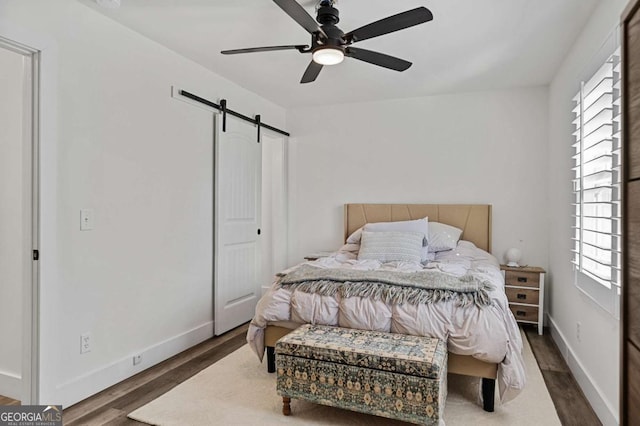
x: 484, y: 147
x: 594, y: 359
x: 12, y: 221
x: 140, y: 282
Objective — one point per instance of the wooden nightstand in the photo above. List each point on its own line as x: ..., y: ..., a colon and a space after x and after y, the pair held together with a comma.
x: 525, y: 291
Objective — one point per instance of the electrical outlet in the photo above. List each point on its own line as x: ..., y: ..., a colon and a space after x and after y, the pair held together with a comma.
x: 85, y: 343
x: 137, y: 359
x: 578, y: 326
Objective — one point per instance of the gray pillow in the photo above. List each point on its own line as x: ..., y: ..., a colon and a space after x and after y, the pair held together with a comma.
x: 391, y: 246
x: 443, y: 237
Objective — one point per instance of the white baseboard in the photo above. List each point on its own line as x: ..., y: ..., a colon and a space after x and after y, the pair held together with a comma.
x: 88, y: 384
x: 601, y: 405
x: 10, y: 385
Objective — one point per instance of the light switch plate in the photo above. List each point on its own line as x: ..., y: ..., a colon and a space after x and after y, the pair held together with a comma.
x: 86, y: 219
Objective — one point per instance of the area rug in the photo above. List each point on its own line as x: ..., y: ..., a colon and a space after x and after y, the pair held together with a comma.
x: 237, y: 390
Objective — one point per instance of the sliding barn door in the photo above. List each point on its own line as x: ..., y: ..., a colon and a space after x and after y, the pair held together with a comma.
x: 238, y: 172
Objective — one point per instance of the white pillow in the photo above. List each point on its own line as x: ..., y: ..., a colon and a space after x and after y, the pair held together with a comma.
x: 418, y: 225
x: 443, y: 237
x: 355, y: 237
x: 391, y: 246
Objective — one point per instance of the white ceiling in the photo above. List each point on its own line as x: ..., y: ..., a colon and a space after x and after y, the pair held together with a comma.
x: 470, y: 45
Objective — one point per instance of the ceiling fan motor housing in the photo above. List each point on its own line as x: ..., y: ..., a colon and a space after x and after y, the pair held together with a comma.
x: 328, y: 15
x: 334, y: 34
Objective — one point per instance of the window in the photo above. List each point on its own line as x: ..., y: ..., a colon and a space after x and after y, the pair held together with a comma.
x: 596, y: 184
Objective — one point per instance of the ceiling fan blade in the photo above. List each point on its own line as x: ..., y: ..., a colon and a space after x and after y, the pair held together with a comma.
x: 299, y: 47
x: 377, y: 58
x: 311, y: 73
x: 388, y: 25
x: 297, y: 12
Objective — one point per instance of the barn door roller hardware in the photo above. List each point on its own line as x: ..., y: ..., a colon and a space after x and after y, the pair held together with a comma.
x: 222, y: 107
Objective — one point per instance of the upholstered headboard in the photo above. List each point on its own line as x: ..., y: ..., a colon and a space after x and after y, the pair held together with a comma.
x: 473, y: 219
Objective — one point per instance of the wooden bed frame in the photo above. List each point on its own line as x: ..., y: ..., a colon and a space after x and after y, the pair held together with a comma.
x: 475, y: 222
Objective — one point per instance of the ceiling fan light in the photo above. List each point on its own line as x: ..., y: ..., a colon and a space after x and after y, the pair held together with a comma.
x: 328, y: 56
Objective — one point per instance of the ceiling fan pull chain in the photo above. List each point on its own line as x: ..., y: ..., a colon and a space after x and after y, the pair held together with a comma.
x: 258, y: 123
x: 223, y: 106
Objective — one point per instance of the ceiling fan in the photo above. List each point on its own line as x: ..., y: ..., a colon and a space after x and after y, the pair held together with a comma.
x: 329, y: 45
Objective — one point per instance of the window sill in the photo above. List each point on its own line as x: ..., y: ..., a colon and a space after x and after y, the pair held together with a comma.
x: 608, y: 299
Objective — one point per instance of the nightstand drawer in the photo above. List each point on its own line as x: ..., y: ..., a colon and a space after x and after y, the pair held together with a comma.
x: 525, y: 313
x: 522, y: 279
x: 522, y: 295
x: 524, y: 288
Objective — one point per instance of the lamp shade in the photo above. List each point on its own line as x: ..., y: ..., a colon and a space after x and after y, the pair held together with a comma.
x: 513, y: 256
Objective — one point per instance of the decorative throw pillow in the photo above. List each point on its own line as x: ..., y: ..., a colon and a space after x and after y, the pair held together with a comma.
x: 443, y: 237
x: 391, y: 246
x: 418, y: 225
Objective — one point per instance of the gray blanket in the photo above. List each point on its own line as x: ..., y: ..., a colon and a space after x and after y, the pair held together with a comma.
x: 427, y: 286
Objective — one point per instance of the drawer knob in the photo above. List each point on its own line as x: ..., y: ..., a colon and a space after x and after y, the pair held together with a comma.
x: 522, y: 279
x: 522, y: 296
x: 521, y: 313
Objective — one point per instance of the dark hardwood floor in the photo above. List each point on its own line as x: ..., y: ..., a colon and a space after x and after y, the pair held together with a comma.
x: 570, y: 402
x: 111, y: 406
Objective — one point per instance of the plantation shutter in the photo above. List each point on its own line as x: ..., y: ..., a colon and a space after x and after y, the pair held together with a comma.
x: 597, y: 159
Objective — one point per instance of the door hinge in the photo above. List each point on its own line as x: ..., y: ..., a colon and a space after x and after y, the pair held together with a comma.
x: 36, y: 255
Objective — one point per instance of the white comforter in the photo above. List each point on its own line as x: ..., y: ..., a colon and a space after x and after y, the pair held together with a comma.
x: 490, y: 334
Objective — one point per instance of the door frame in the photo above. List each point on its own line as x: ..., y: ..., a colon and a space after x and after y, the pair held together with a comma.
x: 31, y: 287
x: 279, y: 221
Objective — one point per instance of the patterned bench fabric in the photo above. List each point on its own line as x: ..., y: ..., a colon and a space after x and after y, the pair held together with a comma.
x: 400, y: 353
x: 361, y: 371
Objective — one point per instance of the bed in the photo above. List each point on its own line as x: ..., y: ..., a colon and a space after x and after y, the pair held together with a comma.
x: 482, y: 358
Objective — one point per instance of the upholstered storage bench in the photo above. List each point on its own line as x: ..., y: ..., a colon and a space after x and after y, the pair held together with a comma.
x: 390, y: 375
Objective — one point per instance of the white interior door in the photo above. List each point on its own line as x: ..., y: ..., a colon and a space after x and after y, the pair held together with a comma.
x: 238, y: 173
x: 18, y: 212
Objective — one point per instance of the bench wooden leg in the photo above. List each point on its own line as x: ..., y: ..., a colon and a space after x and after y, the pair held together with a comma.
x: 488, y: 393
x: 286, y: 405
x: 271, y: 359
